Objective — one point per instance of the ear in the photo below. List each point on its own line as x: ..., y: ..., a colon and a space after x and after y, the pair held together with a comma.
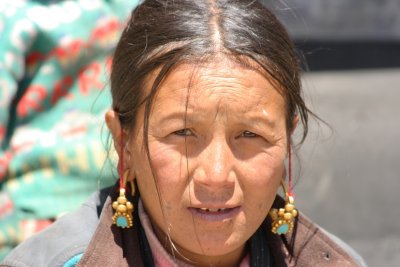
x: 295, y: 122
x: 113, y: 124
x: 283, y: 179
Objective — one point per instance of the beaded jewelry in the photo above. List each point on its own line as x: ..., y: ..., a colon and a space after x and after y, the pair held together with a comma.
x: 283, y: 218
x: 123, y: 208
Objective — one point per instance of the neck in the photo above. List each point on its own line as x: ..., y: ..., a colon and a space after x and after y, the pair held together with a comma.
x: 230, y: 259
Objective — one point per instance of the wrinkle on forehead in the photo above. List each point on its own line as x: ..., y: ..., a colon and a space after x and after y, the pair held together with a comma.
x: 229, y: 89
x: 224, y: 81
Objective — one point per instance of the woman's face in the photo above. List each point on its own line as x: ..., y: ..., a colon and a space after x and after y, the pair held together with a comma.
x: 217, y: 140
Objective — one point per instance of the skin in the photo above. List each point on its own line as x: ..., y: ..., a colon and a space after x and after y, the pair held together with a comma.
x: 228, y: 151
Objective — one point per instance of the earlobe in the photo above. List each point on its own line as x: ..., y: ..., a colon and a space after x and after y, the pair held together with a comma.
x: 295, y: 122
x: 127, y: 163
x: 283, y: 179
x: 121, y: 143
x: 113, y: 124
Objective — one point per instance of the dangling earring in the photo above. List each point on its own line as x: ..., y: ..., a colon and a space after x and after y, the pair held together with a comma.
x: 283, y: 219
x: 123, y: 208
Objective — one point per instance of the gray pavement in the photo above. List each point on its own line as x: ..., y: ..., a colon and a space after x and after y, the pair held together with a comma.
x: 349, y: 173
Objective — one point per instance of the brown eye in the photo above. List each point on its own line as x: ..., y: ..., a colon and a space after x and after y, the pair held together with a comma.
x: 248, y: 134
x: 183, y: 132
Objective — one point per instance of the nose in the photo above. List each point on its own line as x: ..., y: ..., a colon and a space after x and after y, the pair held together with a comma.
x: 215, y: 169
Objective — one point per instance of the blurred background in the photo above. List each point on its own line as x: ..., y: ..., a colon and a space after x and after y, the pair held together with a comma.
x: 349, y: 171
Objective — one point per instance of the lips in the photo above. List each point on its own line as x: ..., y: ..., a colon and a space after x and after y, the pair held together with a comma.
x: 214, y: 214
x: 213, y: 210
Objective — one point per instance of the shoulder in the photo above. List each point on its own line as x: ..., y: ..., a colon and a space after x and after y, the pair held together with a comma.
x: 348, y: 249
x: 64, y: 240
x: 310, y: 245
x: 315, y: 244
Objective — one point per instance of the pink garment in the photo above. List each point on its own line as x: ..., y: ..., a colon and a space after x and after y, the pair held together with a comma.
x: 161, y: 257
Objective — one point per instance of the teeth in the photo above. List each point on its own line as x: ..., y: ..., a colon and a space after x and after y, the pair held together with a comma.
x: 212, y: 210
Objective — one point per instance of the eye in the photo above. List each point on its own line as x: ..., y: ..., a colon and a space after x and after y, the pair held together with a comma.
x: 248, y: 134
x: 184, y: 132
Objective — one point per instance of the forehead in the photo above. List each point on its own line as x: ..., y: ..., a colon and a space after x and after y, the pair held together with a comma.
x: 224, y: 83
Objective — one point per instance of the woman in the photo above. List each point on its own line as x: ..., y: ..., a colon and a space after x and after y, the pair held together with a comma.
x: 206, y: 96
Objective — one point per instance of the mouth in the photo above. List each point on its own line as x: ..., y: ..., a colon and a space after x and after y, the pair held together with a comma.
x: 214, y: 214
x: 213, y: 210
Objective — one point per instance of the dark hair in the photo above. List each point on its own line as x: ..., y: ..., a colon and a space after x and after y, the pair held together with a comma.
x: 162, y: 34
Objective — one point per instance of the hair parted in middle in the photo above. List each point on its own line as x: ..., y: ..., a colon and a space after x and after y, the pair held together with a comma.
x: 161, y: 34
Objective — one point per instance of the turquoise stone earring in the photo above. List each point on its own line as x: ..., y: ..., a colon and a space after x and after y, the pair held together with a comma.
x: 123, y: 208
x: 283, y: 218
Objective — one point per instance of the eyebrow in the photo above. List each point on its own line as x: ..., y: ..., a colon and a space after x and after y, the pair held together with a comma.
x: 194, y: 117
x: 264, y: 121
x: 174, y: 115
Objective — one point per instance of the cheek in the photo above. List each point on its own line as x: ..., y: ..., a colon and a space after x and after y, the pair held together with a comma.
x: 170, y: 171
x: 263, y: 176
x: 165, y: 183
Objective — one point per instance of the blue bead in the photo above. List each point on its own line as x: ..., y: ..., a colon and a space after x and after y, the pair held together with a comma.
x: 122, y: 222
x: 283, y: 229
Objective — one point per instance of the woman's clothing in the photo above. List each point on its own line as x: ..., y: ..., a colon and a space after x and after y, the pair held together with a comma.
x: 161, y: 257
x: 88, y: 237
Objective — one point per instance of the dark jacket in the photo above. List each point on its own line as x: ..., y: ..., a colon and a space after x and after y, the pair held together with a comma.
x: 88, y: 235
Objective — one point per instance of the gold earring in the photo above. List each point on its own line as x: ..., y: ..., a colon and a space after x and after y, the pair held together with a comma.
x: 123, y: 208
x: 283, y: 219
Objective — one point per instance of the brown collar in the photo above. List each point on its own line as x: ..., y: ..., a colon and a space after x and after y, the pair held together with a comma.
x: 307, y: 245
